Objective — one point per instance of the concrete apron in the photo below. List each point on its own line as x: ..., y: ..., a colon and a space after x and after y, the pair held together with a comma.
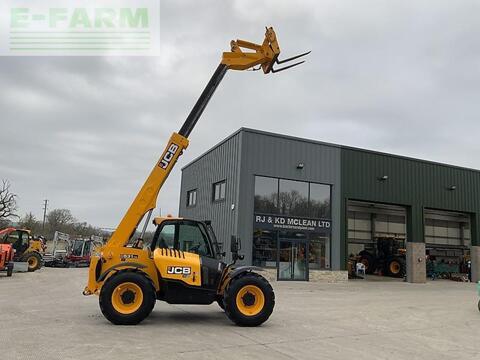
x: 416, y: 267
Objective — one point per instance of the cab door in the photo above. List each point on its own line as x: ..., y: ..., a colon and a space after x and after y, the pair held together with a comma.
x: 189, y: 237
x: 193, y: 237
x: 183, y: 235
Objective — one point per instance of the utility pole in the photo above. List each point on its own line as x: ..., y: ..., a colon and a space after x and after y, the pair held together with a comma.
x: 45, y: 205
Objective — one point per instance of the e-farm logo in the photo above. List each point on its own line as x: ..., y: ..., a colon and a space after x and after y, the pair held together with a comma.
x: 79, y: 27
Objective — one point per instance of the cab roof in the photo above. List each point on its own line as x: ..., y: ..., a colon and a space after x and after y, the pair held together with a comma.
x: 158, y: 220
x: 9, y: 230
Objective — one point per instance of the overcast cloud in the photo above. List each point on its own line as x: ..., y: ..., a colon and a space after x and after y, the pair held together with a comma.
x: 395, y: 76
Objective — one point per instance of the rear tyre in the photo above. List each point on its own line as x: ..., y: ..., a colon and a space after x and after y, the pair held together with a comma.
x: 369, y: 261
x: 220, y: 303
x: 249, y: 300
x: 478, y: 305
x: 127, y: 298
x: 396, y: 267
x: 34, y: 261
x: 9, y: 270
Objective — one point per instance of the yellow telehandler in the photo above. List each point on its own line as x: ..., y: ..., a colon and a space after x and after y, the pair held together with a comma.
x: 27, y: 249
x: 182, y: 264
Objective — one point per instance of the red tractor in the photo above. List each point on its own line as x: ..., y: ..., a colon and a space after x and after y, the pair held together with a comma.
x: 6, y: 258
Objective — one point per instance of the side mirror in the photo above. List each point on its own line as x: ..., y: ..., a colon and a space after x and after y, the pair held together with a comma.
x: 235, y: 247
x: 235, y: 244
x: 219, y: 250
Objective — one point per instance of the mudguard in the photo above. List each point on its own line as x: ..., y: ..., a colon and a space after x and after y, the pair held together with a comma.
x: 242, y: 269
x: 120, y: 266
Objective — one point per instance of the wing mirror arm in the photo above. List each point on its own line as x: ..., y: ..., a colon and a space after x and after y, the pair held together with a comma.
x: 235, y: 247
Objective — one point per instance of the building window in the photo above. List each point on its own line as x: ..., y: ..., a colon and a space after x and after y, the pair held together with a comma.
x: 290, y: 200
x: 219, y: 191
x: 192, y: 198
x: 265, y: 248
x: 293, y: 198
x: 266, y: 195
x: 319, y: 251
x: 319, y: 201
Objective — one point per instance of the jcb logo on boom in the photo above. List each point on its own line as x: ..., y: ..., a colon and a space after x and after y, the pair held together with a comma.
x: 179, y: 270
x: 168, y: 156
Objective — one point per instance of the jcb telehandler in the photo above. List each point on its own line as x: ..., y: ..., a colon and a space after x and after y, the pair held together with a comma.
x: 27, y: 249
x: 182, y: 263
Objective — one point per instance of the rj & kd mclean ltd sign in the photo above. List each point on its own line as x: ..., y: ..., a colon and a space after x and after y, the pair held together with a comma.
x: 280, y: 222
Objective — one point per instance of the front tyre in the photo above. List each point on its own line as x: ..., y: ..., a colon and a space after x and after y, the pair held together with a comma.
x: 34, y: 261
x: 249, y: 300
x: 127, y: 298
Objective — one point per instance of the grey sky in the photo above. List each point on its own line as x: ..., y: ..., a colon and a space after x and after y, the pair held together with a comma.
x: 395, y: 76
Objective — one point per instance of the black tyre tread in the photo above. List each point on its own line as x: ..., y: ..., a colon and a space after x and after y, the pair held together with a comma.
x: 39, y: 260
x: 148, y: 295
x: 230, y: 299
x: 371, y: 262
x: 9, y: 271
x: 221, y: 303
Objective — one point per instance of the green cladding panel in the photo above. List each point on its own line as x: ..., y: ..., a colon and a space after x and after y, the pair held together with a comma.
x: 415, y: 184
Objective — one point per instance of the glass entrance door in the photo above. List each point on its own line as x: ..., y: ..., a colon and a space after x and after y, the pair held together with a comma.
x: 292, y: 260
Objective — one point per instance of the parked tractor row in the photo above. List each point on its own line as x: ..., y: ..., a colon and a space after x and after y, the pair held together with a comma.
x: 67, y: 252
x: 18, y: 246
x: 25, y: 247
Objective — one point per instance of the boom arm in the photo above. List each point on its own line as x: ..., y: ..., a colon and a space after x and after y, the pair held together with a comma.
x: 265, y: 56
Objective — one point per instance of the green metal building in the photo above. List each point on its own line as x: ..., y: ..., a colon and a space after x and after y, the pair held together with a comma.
x: 305, y: 209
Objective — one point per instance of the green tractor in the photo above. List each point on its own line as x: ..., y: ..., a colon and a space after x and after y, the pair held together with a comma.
x: 478, y: 290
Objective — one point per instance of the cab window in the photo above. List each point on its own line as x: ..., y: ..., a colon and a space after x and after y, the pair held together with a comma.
x: 86, y: 249
x: 192, y: 239
x: 19, y: 241
x: 166, y: 238
x: 77, y: 247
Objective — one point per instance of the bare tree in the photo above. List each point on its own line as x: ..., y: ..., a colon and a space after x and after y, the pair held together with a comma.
x: 30, y: 222
x: 4, y: 223
x: 59, y: 220
x: 293, y: 203
x: 8, y: 201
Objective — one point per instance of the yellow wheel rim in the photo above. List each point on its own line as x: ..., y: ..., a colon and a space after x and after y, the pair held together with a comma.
x: 394, y: 267
x: 32, y: 262
x: 127, y: 298
x: 250, y: 300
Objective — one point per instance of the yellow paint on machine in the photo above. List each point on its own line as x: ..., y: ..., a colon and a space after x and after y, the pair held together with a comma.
x: 178, y: 265
x: 120, y: 258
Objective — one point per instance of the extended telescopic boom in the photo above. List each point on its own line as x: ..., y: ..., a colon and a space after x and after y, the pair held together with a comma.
x: 263, y: 57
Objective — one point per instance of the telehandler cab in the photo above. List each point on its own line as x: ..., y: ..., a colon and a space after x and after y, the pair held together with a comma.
x: 182, y: 264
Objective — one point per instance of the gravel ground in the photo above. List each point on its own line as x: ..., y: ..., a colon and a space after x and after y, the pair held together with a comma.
x: 45, y: 316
